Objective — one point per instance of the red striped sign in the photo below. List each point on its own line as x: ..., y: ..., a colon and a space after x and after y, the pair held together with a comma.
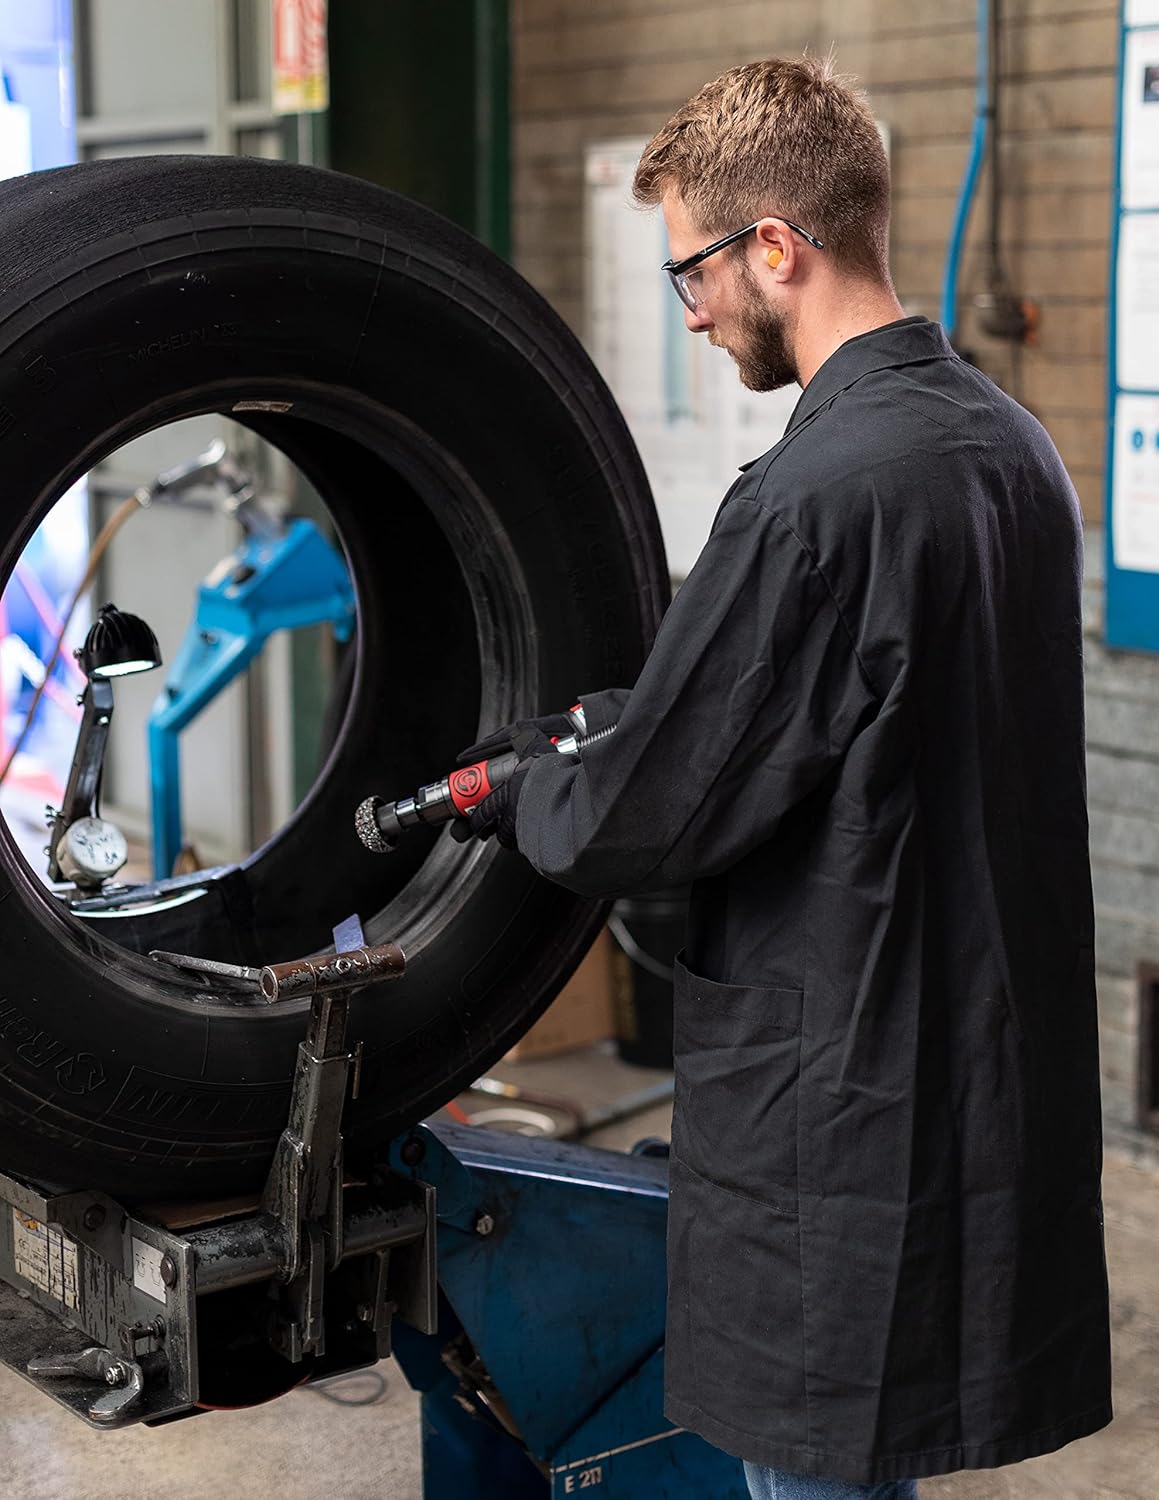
x: 301, y: 72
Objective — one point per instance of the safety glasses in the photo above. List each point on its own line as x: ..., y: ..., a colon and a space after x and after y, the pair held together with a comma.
x: 690, y: 283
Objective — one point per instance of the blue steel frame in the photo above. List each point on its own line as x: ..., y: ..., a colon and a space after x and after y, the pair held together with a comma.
x: 295, y: 579
x: 563, y: 1301
x: 1132, y: 598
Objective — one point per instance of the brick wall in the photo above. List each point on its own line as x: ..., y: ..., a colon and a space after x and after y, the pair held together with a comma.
x: 588, y: 70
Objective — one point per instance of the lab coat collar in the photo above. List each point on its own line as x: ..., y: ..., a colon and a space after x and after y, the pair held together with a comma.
x: 906, y: 342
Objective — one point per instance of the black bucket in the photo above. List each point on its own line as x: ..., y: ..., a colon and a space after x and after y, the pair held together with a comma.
x: 648, y: 931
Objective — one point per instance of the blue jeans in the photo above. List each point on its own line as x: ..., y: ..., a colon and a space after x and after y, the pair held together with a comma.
x: 774, y: 1484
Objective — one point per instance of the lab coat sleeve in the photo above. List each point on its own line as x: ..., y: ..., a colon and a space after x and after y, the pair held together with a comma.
x: 604, y: 708
x: 752, y: 693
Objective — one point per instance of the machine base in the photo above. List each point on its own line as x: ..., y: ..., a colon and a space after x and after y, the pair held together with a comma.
x: 545, y: 1374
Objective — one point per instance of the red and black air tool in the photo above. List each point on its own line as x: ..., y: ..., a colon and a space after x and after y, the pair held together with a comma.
x: 380, y: 824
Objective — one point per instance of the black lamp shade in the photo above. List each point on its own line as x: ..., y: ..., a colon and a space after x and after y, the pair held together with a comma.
x: 118, y: 644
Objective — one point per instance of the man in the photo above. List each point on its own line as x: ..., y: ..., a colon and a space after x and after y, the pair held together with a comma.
x: 860, y: 734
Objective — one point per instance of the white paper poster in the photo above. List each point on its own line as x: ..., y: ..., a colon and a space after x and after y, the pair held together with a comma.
x: 1142, y: 13
x: 1137, y: 303
x: 1139, y: 160
x: 693, y: 421
x: 1135, y: 488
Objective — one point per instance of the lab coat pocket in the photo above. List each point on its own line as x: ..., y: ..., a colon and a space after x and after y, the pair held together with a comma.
x: 737, y: 1051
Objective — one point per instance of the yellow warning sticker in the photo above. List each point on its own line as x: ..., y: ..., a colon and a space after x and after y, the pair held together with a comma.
x: 46, y: 1257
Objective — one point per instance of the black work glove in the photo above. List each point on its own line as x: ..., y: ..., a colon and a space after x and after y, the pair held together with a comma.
x: 495, y: 815
x: 499, y: 740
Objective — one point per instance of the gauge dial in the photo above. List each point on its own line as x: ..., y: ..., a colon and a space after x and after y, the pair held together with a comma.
x: 91, y: 851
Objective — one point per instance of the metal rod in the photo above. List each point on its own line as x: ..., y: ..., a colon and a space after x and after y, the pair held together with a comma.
x: 235, y: 1254
x: 335, y: 971
x: 993, y: 22
x: 246, y: 1251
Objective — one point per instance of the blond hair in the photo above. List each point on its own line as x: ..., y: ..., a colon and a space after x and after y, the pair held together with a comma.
x: 784, y: 138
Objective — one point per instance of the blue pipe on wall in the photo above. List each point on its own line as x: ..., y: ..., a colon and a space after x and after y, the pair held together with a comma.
x: 970, y: 180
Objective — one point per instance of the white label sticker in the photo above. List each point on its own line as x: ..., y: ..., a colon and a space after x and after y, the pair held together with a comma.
x: 147, y: 1270
x: 46, y: 1257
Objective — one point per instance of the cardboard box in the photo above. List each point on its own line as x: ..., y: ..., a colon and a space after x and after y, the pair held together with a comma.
x: 579, y: 1015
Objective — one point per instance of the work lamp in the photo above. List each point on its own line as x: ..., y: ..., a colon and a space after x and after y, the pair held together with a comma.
x: 82, y: 846
x: 117, y: 645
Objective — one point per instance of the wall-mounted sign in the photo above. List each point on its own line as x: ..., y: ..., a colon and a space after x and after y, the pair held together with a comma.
x: 1137, y: 303
x: 301, y: 67
x: 1139, y: 152
x: 692, y: 420
x: 1133, y: 414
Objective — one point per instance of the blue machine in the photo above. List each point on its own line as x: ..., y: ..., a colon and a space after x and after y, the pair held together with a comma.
x: 545, y: 1375
x: 280, y: 578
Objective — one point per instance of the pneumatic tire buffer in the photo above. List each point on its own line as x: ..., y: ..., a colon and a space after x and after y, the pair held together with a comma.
x: 380, y: 824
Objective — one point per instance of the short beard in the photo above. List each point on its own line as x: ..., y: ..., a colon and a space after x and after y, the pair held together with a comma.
x: 765, y: 361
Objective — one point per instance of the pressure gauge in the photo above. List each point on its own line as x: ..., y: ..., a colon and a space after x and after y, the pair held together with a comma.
x: 91, y: 851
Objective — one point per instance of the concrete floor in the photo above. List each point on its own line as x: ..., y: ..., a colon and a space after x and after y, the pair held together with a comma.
x: 304, y: 1446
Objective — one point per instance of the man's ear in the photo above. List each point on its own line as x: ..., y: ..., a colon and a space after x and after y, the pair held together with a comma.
x: 776, y: 246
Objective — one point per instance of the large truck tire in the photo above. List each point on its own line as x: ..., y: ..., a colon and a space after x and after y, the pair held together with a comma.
x: 506, y: 555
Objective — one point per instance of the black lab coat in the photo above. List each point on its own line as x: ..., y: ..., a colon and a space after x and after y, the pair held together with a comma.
x: 860, y: 734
